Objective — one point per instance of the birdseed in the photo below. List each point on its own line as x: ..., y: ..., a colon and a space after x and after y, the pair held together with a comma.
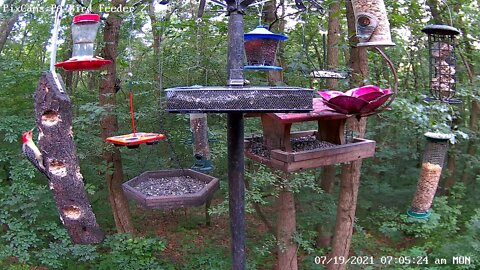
x: 170, y: 186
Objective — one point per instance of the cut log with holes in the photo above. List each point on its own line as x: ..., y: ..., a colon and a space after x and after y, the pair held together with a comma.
x: 54, y: 122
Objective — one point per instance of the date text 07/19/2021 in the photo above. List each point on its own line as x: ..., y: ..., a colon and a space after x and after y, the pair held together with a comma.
x: 392, y: 260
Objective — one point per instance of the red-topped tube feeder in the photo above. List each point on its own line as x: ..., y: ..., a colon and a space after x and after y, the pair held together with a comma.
x: 84, y: 32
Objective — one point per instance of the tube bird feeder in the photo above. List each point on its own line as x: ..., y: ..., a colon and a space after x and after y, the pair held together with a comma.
x: 84, y: 32
x: 261, y: 48
x: 441, y: 47
x: 435, y: 151
x: 372, y: 26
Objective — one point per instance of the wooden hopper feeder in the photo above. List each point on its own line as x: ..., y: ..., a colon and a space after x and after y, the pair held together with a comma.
x: 84, y: 31
x: 278, y: 148
x: 179, y: 188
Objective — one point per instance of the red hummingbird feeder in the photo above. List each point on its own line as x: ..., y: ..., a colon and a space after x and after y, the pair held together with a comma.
x: 84, y: 32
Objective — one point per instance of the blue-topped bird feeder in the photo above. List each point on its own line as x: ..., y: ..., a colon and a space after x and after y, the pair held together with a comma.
x: 261, y: 47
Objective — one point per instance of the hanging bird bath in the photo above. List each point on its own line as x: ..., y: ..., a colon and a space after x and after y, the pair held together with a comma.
x: 84, y: 32
x: 261, y: 48
x: 433, y: 158
x: 170, y: 189
x: 442, y: 67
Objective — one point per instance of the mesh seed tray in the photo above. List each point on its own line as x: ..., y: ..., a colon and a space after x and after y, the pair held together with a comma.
x: 170, y: 189
x: 239, y: 99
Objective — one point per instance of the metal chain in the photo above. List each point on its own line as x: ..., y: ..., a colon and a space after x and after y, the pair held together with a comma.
x: 162, y: 108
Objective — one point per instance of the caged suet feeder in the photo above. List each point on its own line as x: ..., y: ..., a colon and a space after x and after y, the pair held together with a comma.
x: 84, y: 32
x: 441, y: 47
x: 261, y: 48
x: 433, y: 158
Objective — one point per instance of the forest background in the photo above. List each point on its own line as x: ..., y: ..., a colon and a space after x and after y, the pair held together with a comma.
x: 168, y: 46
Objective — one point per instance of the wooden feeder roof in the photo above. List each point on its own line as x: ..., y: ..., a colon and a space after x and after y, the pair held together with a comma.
x: 320, y: 111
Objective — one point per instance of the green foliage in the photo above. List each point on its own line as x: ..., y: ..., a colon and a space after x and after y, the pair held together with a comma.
x: 123, y: 251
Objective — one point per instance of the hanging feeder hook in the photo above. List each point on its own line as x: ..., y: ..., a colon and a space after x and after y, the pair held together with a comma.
x: 395, y: 84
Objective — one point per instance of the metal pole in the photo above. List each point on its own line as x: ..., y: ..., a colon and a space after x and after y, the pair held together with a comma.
x: 235, y: 137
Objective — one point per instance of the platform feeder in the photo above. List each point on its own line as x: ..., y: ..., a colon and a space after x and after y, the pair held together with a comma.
x: 433, y: 158
x: 84, y: 32
x: 441, y: 47
x: 261, y: 48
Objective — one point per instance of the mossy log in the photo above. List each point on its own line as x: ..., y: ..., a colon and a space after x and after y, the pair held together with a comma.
x: 54, y: 122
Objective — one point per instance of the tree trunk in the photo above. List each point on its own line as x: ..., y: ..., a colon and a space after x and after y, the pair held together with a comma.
x: 286, y: 227
x: 333, y: 38
x: 327, y: 175
x: 451, y: 167
x: 6, y: 25
x: 109, y: 126
x: 53, y: 115
x: 475, y: 105
x: 473, y: 126
x: 350, y: 177
x: 275, y: 77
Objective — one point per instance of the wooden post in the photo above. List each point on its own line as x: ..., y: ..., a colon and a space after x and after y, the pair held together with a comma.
x: 235, y: 140
x: 347, y: 203
x: 54, y: 122
x: 286, y: 227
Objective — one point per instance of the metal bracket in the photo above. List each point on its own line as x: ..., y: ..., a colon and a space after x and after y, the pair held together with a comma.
x: 240, y: 7
x: 57, y: 81
x: 234, y: 74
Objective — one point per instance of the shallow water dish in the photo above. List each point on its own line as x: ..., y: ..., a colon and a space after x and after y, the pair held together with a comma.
x: 181, y: 188
x: 362, y: 100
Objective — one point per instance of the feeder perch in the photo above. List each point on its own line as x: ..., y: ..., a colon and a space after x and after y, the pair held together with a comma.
x: 435, y: 150
x: 287, y: 151
x: 261, y: 48
x: 84, y: 32
x: 170, y: 189
x: 372, y: 26
x: 202, y: 164
x: 133, y: 140
x: 442, y: 60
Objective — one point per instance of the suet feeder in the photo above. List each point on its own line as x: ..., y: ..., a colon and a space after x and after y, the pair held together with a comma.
x: 442, y: 67
x: 84, y: 32
x: 433, y: 158
x: 261, y: 48
x: 372, y: 26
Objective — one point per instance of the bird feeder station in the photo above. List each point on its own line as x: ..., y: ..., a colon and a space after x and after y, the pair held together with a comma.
x: 372, y: 26
x: 441, y: 47
x: 261, y: 48
x: 435, y: 151
x: 84, y: 32
x: 287, y: 151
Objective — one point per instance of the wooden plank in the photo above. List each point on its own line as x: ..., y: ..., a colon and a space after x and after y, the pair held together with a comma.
x: 320, y: 111
x: 360, y: 147
x: 331, y: 130
x: 275, y: 134
x: 257, y: 158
